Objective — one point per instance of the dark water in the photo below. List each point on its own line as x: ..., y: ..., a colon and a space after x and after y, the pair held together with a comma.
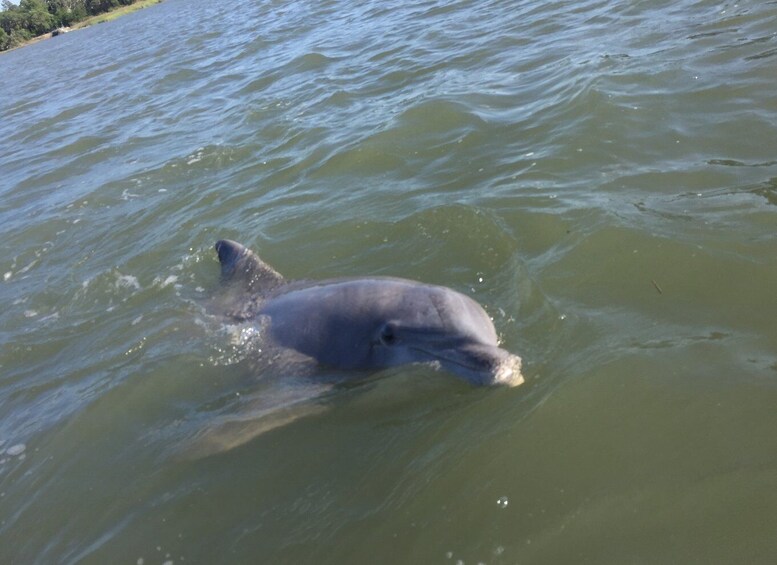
x: 601, y: 176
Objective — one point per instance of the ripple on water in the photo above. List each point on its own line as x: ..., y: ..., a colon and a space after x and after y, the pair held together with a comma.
x: 601, y: 176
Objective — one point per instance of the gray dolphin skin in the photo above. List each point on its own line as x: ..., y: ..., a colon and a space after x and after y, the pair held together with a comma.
x: 367, y: 323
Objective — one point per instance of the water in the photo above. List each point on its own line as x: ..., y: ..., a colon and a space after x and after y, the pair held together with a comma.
x: 601, y: 176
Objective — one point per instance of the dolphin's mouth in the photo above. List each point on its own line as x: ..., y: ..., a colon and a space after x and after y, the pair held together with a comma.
x: 480, y: 364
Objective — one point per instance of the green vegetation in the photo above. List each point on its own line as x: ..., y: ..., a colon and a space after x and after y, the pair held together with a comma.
x: 33, y: 18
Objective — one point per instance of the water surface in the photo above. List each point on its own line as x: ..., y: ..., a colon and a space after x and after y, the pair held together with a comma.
x: 601, y: 176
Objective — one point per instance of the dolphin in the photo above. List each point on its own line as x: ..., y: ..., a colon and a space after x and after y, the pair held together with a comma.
x: 365, y: 324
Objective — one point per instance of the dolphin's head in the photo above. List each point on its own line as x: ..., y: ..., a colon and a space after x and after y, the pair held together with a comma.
x: 477, y: 359
x: 437, y: 324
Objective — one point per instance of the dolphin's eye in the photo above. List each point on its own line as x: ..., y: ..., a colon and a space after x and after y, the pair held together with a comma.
x: 387, y: 335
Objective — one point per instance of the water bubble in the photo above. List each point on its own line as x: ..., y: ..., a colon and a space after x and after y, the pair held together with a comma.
x: 502, y: 502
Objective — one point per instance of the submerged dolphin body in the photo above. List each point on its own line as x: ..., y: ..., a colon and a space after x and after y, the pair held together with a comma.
x: 366, y: 323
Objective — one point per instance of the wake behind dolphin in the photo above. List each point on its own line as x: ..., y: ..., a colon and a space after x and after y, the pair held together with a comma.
x: 366, y: 323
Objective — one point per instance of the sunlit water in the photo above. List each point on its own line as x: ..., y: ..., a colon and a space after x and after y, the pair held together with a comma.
x: 601, y: 176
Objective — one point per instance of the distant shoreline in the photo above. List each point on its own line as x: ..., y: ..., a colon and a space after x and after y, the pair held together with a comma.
x: 91, y: 20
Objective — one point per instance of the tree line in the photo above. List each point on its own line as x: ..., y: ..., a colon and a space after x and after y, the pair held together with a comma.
x: 36, y: 17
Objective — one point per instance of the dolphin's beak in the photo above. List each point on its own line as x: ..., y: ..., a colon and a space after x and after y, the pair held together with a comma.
x: 481, y: 364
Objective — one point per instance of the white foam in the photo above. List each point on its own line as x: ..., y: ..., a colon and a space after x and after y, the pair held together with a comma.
x: 196, y: 156
x: 127, y: 281
x: 172, y: 279
x: 27, y: 268
x: 15, y: 450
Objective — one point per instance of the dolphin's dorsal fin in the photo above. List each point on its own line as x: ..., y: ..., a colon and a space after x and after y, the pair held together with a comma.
x: 240, y: 265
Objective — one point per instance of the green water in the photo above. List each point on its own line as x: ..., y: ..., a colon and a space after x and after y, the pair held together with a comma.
x: 602, y: 177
